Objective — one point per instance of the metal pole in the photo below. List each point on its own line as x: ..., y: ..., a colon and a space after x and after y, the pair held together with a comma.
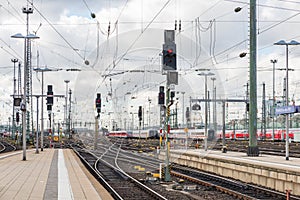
x: 214, y: 106
x: 24, y: 101
x: 14, y: 60
x: 183, y: 109
x: 149, y: 100
x: 287, y: 103
x: 167, y: 143
x: 37, y: 125
x: 205, y: 127
x: 96, y: 132
x: 66, y: 106
x: 132, y: 126
x: 273, y: 117
x: 69, y: 116
x: 263, y: 127
x: 253, y: 148
x: 42, y: 115
x: 206, y: 100
x: 224, y: 128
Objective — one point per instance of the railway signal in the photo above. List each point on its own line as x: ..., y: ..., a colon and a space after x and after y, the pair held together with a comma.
x: 98, y: 103
x: 161, y: 95
x: 17, y: 117
x: 140, y: 113
x: 169, y: 57
x: 169, y: 51
x: 49, y: 98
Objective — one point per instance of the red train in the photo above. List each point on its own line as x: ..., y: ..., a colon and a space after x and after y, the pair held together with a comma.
x: 119, y: 134
x: 294, y: 134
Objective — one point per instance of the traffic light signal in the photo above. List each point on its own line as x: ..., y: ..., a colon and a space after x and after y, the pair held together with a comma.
x: 98, y: 103
x: 17, y: 117
x: 161, y: 96
x: 49, y: 97
x: 169, y: 56
x: 247, y: 107
x: 140, y: 113
x: 172, y: 94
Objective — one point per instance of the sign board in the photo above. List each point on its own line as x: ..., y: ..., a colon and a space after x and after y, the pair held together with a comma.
x: 285, y: 110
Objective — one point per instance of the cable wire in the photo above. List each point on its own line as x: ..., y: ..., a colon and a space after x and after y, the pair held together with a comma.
x: 133, y: 43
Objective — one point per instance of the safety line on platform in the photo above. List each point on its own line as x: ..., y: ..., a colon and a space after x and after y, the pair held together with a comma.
x: 64, y: 186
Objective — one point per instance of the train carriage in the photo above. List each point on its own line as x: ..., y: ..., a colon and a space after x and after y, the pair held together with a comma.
x: 191, y: 133
x: 144, y: 134
x: 119, y: 134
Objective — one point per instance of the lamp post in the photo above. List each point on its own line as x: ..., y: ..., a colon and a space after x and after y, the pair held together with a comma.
x: 182, y: 108
x: 42, y: 107
x: 132, y: 120
x: 149, y: 117
x: 66, y: 105
x: 214, y: 106
x: 282, y: 42
x: 27, y: 54
x: 205, y: 131
x: 14, y: 60
x: 273, y: 120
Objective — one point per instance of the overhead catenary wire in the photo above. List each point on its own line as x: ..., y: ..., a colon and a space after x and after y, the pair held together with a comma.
x: 53, y: 27
x: 16, y: 53
x: 17, y: 16
x: 133, y: 43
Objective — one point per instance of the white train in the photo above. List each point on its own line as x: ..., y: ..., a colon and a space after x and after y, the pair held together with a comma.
x: 190, y: 133
x: 144, y: 134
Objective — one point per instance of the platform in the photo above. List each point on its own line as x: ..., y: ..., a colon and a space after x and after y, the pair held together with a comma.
x: 270, y: 171
x: 50, y: 174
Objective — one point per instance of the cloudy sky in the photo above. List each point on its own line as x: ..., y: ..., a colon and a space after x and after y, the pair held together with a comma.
x: 127, y: 35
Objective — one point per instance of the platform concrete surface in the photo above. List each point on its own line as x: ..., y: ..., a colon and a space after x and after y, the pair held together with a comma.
x: 273, y: 172
x: 50, y: 174
x: 280, y: 162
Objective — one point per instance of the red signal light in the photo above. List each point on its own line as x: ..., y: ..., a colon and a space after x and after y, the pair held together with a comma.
x: 170, y: 51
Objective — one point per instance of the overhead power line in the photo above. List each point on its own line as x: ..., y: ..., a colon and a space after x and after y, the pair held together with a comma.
x: 53, y: 27
x: 133, y: 43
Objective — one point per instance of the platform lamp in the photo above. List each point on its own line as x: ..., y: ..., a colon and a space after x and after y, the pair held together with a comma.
x: 287, y: 44
x: 27, y: 48
x: 206, y: 110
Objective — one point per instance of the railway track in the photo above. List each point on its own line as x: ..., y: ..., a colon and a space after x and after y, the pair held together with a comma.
x: 265, y: 147
x: 120, y: 184
x: 232, y: 187
x: 6, y: 147
x: 128, y: 161
x: 122, y: 159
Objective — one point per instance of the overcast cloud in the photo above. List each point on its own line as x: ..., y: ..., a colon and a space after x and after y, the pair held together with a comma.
x: 212, y: 36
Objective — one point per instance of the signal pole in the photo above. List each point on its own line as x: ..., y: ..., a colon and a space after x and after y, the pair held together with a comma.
x: 170, y: 66
x: 69, y: 114
x: 97, y: 118
x: 96, y: 131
